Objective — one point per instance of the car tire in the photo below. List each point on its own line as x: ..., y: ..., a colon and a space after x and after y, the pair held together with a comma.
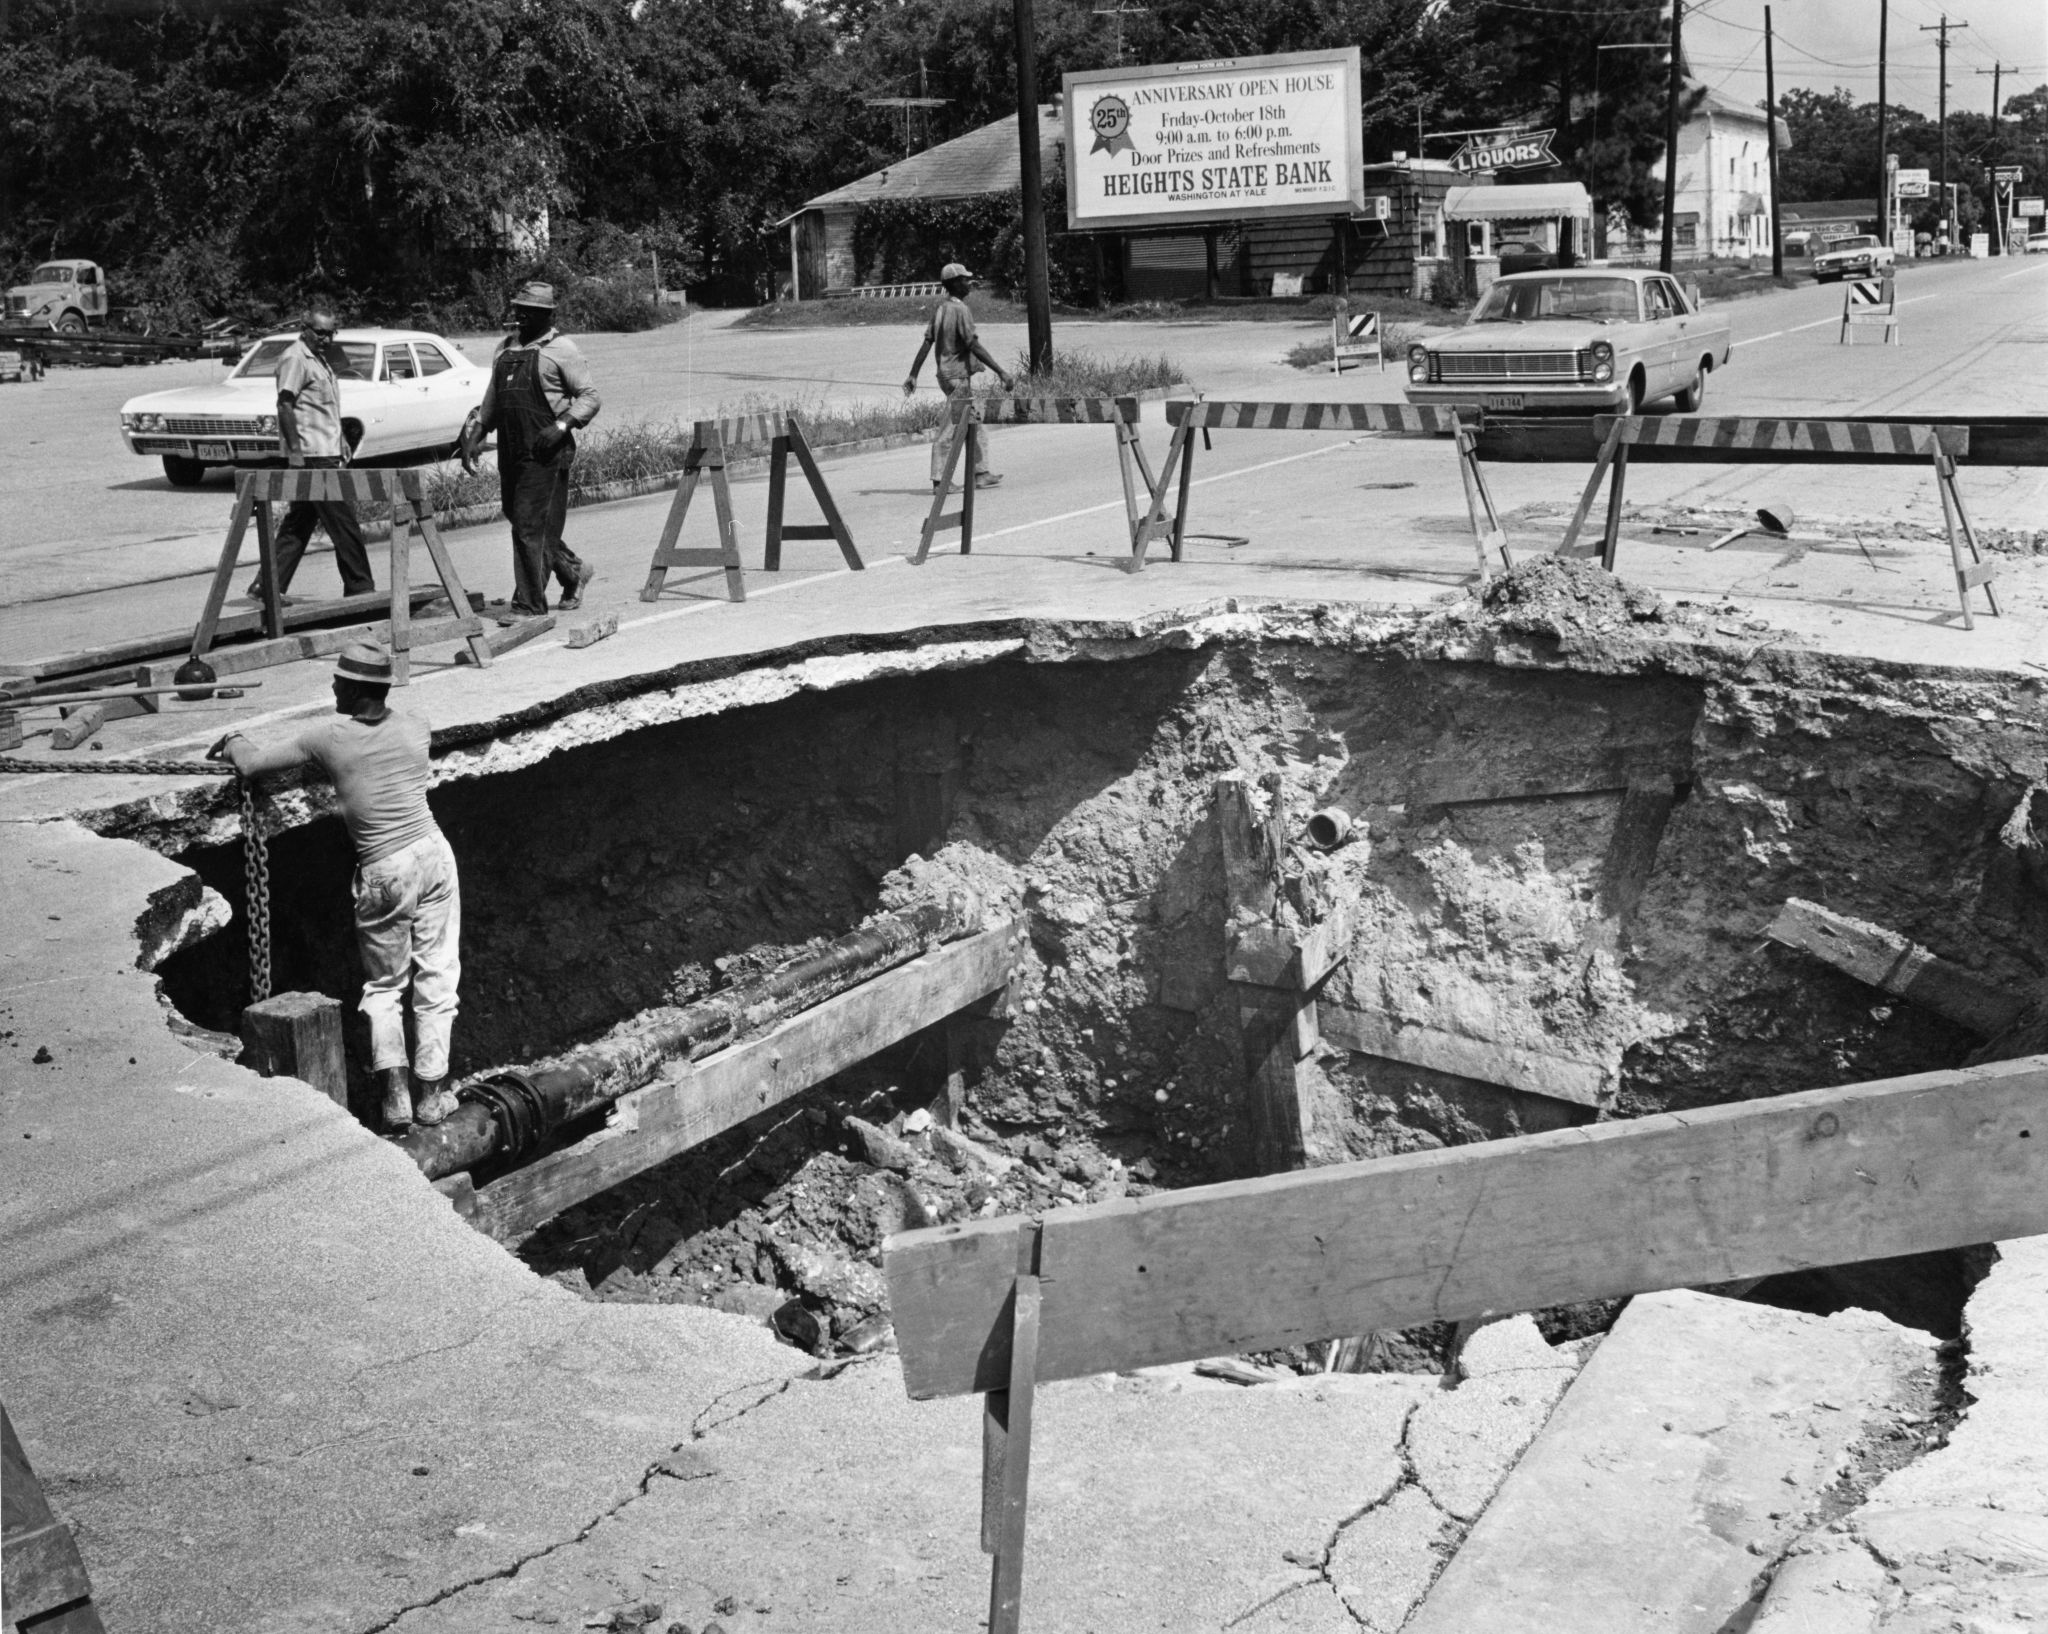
x: 1688, y: 401
x: 182, y: 472
x: 1632, y: 397
x: 71, y: 324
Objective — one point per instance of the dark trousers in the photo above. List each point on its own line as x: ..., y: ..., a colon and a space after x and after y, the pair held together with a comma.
x: 536, y: 501
x: 339, y: 519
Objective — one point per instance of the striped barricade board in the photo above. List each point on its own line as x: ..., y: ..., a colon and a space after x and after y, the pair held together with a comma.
x: 1732, y: 440
x: 411, y: 518
x: 1870, y: 300
x: 964, y: 441
x: 1354, y: 337
x: 712, y: 443
x: 1388, y: 419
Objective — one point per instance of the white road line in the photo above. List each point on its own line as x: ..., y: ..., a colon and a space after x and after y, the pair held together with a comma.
x: 1833, y: 317
x: 2003, y: 276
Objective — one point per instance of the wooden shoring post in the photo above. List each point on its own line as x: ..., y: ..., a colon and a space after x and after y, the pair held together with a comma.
x: 961, y: 440
x: 1956, y: 521
x: 706, y: 453
x: 1608, y: 449
x: 1006, y: 1448
x: 1491, y: 537
x: 790, y: 441
x: 298, y: 1035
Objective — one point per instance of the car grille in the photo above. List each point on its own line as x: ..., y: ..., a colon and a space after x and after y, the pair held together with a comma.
x: 242, y: 447
x: 17, y: 306
x: 208, y: 425
x: 1508, y: 365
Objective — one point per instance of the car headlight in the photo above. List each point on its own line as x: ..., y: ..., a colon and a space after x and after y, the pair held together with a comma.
x: 1418, y: 363
x: 129, y: 422
x: 266, y: 425
x: 1602, y: 356
x: 142, y: 422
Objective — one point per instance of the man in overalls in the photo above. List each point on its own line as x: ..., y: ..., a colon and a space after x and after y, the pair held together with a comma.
x: 540, y: 394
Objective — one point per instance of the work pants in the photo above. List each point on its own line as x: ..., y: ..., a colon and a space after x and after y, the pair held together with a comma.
x: 296, y: 531
x: 409, y: 928
x: 536, y: 501
x: 958, y: 386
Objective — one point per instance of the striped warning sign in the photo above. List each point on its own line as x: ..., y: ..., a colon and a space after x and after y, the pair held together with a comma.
x: 1848, y: 439
x: 1405, y: 418
x: 1058, y: 411
x: 1870, y: 300
x: 352, y: 487
x: 1870, y: 292
x: 1355, y: 335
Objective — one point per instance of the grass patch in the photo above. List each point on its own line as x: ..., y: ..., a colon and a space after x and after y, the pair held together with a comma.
x: 1078, y: 372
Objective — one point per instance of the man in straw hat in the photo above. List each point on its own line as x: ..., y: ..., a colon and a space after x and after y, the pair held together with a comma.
x: 950, y: 333
x: 408, y: 900
x: 540, y: 394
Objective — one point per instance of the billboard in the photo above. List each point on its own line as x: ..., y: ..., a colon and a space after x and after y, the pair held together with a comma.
x: 1214, y: 141
x: 1914, y: 184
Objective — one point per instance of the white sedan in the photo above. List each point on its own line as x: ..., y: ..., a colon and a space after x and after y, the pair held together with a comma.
x: 404, y: 392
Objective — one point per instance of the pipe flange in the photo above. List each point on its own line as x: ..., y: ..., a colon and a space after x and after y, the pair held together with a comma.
x: 515, y: 1106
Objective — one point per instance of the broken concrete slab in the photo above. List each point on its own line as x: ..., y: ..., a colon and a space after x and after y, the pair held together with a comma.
x: 1687, y: 1454
x: 1462, y: 1443
x: 1385, y: 1561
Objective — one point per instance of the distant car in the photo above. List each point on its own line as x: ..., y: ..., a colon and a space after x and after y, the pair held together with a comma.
x: 406, y: 392
x: 1860, y: 255
x: 1525, y: 257
x: 1585, y: 339
x: 2037, y: 243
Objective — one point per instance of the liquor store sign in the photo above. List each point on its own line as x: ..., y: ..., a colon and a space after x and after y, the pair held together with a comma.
x: 1506, y: 150
x: 1214, y: 141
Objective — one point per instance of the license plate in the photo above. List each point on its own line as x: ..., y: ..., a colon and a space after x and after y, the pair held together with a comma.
x: 1502, y: 400
x: 215, y: 451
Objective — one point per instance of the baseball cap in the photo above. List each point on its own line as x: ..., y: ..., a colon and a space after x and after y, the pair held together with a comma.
x: 952, y: 270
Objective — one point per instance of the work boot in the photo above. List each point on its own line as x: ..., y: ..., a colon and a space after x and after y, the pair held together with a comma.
x: 573, y: 598
x: 432, y: 1102
x: 988, y: 479
x: 397, y: 1099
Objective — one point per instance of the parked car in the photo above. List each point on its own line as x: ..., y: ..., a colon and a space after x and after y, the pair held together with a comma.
x: 1584, y: 339
x: 404, y: 393
x: 1525, y: 257
x: 1859, y: 255
x: 2037, y: 243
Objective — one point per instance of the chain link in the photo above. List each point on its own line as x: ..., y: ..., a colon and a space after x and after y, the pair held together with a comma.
x: 256, y: 881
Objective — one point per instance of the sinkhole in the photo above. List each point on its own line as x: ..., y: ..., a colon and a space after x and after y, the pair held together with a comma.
x: 1556, y: 885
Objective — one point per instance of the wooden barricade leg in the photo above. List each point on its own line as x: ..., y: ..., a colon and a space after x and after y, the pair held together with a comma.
x: 223, y: 575
x: 1155, y: 510
x: 480, y: 647
x: 1006, y: 1450
x: 1187, y: 475
x: 706, y: 455
x: 1123, y: 469
x: 728, y: 535
x: 1610, y: 539
x: 939, y: 517
x: 1605, y: 458
x: 1491, y: 537
x: 672, y: 528
x: 834, y: 526
x: 778, y: 477
x: 266, y: 571
x: 402, y: 515
x: 47, y: 1586
x: 969, y: 482
x: 1957, y: 522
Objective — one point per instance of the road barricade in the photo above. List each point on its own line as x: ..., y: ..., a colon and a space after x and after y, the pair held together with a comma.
x: 1387, y: 419
x: 1730, y: 440
x: 711, y: 444
x: 1870, y: 300
x: 1355, y: 337
x: 964, y: 439
x: 411, y: 518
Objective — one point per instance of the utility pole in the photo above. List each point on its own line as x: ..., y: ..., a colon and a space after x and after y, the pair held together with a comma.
x: 1998, y: 212
x: 1949, y: 232
x: 1771, y: 143
x: 1677, y: 89
x: 1037, y: 282
x: 1885, y: 226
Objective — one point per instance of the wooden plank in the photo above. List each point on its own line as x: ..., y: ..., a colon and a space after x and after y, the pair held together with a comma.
x: 1006, y: 1579
x: 503, y: 641
x: 291, y: 649
x: 1824, y: 1177
x: 1600, y: 769
x: 1889, y: 962
x: 1631, y: 855
x: 709, y: 1096
x: 298, y: 1035
x: 1490, y: 1061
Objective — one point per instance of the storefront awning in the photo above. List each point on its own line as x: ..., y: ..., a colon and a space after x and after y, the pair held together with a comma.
x: 1533, y: 202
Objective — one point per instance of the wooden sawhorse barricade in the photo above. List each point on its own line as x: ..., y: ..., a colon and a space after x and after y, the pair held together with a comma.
x: 1669, y: 1201
x: 1725, y: 440
x: 411, y: 517
x: 712, y: 442
x: 964, y: 441
x: 46, y: 1587
x: 1392, y: 419
x: 1870, y: 300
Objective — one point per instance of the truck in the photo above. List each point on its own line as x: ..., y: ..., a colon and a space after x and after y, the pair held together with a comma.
x: 68, y: 296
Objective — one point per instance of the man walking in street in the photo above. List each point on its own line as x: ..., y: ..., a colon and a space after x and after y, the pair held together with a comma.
x: 408, y: 899
x: 309, y: 426
x: 951, y: 334
x: 540, y: 394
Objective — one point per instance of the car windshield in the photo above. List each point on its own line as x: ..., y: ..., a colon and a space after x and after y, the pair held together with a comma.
x: 1852, y: 243
x: 1528, y: 300
x: 52, y: 275
x: 261, y: 364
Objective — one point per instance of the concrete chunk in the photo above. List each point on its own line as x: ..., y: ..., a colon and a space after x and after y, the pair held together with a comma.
x: 1687, y: 1454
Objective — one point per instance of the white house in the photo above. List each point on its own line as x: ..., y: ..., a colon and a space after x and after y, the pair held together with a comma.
x: 1724, y: 186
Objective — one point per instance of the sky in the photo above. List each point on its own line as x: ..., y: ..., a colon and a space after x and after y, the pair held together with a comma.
x: 1822, y: 44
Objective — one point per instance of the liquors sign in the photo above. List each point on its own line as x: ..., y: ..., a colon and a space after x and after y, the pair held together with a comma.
x: 1214, y: 141
x: 1506, y: 150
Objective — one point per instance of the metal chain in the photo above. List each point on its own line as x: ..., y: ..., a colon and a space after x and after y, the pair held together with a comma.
x: 124, y: 768
x: 256, y: 882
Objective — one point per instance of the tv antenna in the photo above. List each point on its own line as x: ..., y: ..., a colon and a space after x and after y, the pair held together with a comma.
x: 913, y: 108
x: 1120, y: 10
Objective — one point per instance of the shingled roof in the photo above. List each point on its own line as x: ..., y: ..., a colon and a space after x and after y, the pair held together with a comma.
x: 982, y: 161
